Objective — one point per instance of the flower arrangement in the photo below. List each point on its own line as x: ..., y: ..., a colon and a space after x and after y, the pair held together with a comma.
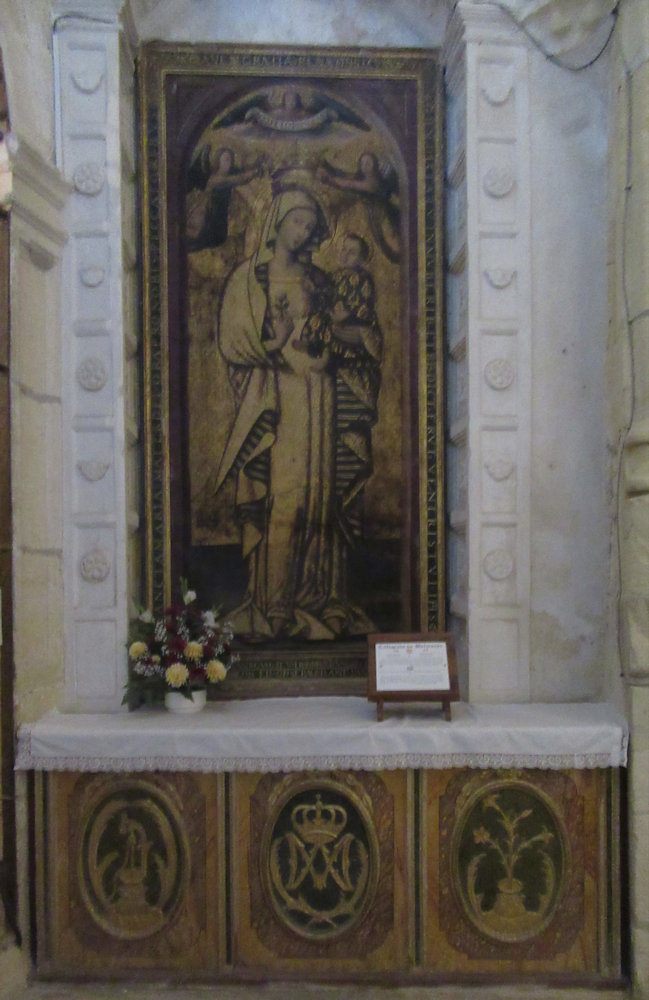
x: 184, y: 650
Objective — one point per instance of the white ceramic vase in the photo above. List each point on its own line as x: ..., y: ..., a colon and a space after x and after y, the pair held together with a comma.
x: 177, y: 703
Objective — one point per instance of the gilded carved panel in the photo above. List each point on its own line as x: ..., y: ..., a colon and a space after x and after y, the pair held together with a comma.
x: 319, y: 878
x: 136, y: 857
x: 514, y: 870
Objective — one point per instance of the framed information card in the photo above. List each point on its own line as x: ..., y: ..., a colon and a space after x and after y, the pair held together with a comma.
x: 412, y: 667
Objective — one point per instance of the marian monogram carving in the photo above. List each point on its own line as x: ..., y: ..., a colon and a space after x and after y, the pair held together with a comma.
x: 321, y: 862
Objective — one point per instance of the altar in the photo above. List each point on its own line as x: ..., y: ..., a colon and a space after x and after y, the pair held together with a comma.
x: 301, y: 837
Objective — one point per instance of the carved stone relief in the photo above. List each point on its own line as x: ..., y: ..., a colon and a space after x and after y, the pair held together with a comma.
x: 499, y: 469
x: 500, y: 277
x: 497, y: 84
x: 498, y: 181
x: 87, y: 81
x: 93, y: 470
x: 92, y: 276
x: 94, y: 566
x: 499, y: 373
x: 92, y: 375
x: 498, y: 564
x: 89, y: 178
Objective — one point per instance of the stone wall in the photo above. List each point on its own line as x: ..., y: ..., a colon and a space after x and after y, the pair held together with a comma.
x: 628, y: 379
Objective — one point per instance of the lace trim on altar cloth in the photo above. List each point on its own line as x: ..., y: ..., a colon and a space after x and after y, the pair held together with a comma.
x: 206, y: 765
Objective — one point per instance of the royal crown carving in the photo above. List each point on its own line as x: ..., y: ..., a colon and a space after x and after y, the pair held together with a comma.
x: 319, y: 824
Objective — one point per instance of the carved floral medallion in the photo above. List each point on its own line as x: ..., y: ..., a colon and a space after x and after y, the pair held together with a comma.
x: 511, y: 864
x: 510, y: 858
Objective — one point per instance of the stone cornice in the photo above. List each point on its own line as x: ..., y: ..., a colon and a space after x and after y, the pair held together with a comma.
x: 558, y: 27
x: 95, y: 15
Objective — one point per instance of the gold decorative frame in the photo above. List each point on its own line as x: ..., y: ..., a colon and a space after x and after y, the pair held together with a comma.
x: 291, y: 118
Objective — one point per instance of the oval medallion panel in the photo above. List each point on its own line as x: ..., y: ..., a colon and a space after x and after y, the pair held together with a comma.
x: 510, y: 857
x: 319, y: 860
x: 133, y: 865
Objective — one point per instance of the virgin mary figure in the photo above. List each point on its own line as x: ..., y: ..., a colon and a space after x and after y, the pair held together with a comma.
x: 275, y: 335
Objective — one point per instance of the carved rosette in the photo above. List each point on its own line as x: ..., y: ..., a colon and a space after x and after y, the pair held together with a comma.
x: 499, y: 374
x: 498, y: 181
x: 498, y: 564
x: 500, y: 469
x: 92, y: 375
x: 94, y: 566
x: 92, y: 276
x: 89, y: 178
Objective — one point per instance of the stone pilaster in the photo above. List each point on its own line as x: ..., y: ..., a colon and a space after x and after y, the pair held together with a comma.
x: 95, y: 143
x: 489, y: 335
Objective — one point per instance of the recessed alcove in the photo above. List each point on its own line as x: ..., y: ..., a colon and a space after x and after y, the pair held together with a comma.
x: 529, y: 512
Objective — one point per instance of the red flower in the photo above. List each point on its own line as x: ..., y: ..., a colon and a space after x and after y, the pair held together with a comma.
x: 177, y: 644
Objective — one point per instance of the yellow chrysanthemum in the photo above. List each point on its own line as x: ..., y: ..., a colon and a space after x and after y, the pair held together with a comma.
x: 193, y: 650
x: 137, y: 649
x: 176, y: 675
x: 215, y: 671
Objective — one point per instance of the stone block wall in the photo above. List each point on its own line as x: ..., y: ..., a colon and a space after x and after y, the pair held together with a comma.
x: 628, y: 377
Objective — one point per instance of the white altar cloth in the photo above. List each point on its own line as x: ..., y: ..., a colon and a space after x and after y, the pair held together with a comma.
x: 299, y: 734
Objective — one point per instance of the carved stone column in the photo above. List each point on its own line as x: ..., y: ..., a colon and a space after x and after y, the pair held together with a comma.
x: 95, y: 144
